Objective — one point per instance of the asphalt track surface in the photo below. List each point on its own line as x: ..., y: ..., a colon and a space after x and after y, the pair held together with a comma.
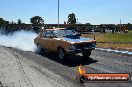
x: 46, y: 70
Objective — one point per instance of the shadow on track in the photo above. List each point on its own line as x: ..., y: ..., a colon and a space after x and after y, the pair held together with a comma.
x: 70, y: 61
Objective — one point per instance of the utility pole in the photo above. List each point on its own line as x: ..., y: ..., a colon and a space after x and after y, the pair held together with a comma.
x: 120, y: 24
x: 58, y: 12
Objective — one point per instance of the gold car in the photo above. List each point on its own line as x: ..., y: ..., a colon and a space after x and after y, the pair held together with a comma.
x: 64, y: 41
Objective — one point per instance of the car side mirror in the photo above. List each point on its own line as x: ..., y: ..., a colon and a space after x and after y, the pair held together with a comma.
x: 41, y: 35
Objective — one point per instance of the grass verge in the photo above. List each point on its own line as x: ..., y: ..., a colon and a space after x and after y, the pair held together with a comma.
x: 121, y: 41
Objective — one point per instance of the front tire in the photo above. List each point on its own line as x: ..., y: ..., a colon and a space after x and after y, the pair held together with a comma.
x: 61, y: 53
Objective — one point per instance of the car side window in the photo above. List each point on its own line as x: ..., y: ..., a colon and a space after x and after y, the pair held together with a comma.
x: 49, y: 34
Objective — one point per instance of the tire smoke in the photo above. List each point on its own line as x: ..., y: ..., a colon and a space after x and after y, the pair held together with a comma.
x: 23, y: 40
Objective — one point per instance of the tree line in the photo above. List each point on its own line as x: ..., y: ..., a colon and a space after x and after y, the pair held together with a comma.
x: 37, y: 20
x: 12, y: 26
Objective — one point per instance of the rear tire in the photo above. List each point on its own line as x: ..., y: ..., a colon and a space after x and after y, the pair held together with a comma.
x: 39, y: 48
x: 86, y: 54
x: 61, y: 54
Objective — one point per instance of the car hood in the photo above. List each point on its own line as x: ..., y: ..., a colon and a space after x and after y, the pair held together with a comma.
x: 78, y: 40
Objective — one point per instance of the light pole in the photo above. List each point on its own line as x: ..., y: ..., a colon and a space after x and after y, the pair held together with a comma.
x: 58, y: 12
x: 120, y: 24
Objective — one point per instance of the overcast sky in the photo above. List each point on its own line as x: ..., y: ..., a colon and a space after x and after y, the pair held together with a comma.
x: 93, y: 11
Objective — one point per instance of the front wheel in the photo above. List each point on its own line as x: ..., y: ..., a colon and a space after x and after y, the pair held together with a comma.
x: 86, y: 54
x: 61, y: 54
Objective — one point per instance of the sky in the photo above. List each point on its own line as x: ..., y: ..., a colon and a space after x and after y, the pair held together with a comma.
x: 86, y: 11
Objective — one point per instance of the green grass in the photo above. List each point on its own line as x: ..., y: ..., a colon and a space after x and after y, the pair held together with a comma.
x: 114, y: 41
x: 111, y: 38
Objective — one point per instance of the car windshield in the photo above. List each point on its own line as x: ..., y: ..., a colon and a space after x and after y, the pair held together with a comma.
x: 60, y: 33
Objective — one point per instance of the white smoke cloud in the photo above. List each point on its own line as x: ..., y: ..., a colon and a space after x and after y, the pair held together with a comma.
x: 23, y: 40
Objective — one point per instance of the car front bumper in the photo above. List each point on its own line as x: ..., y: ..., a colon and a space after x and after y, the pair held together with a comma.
x: 76, y: 51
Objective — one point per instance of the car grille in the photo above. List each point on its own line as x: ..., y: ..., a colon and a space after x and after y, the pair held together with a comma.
x: 87, y: 45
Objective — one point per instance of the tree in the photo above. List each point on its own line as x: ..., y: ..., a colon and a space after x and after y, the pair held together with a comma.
x: 6, y: 23
x: 71, y: 19
x: 19, y: 22
x: 36, y: 20
x: 2, y: 21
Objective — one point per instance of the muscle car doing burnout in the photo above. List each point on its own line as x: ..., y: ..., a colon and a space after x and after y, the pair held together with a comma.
x: 64, y: 41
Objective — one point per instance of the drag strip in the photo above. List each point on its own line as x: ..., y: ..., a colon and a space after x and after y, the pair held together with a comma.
x: 46, y: 66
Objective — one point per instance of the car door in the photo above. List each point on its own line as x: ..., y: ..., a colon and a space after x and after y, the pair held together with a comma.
x: 46, y: 40
x: 42, y: 39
